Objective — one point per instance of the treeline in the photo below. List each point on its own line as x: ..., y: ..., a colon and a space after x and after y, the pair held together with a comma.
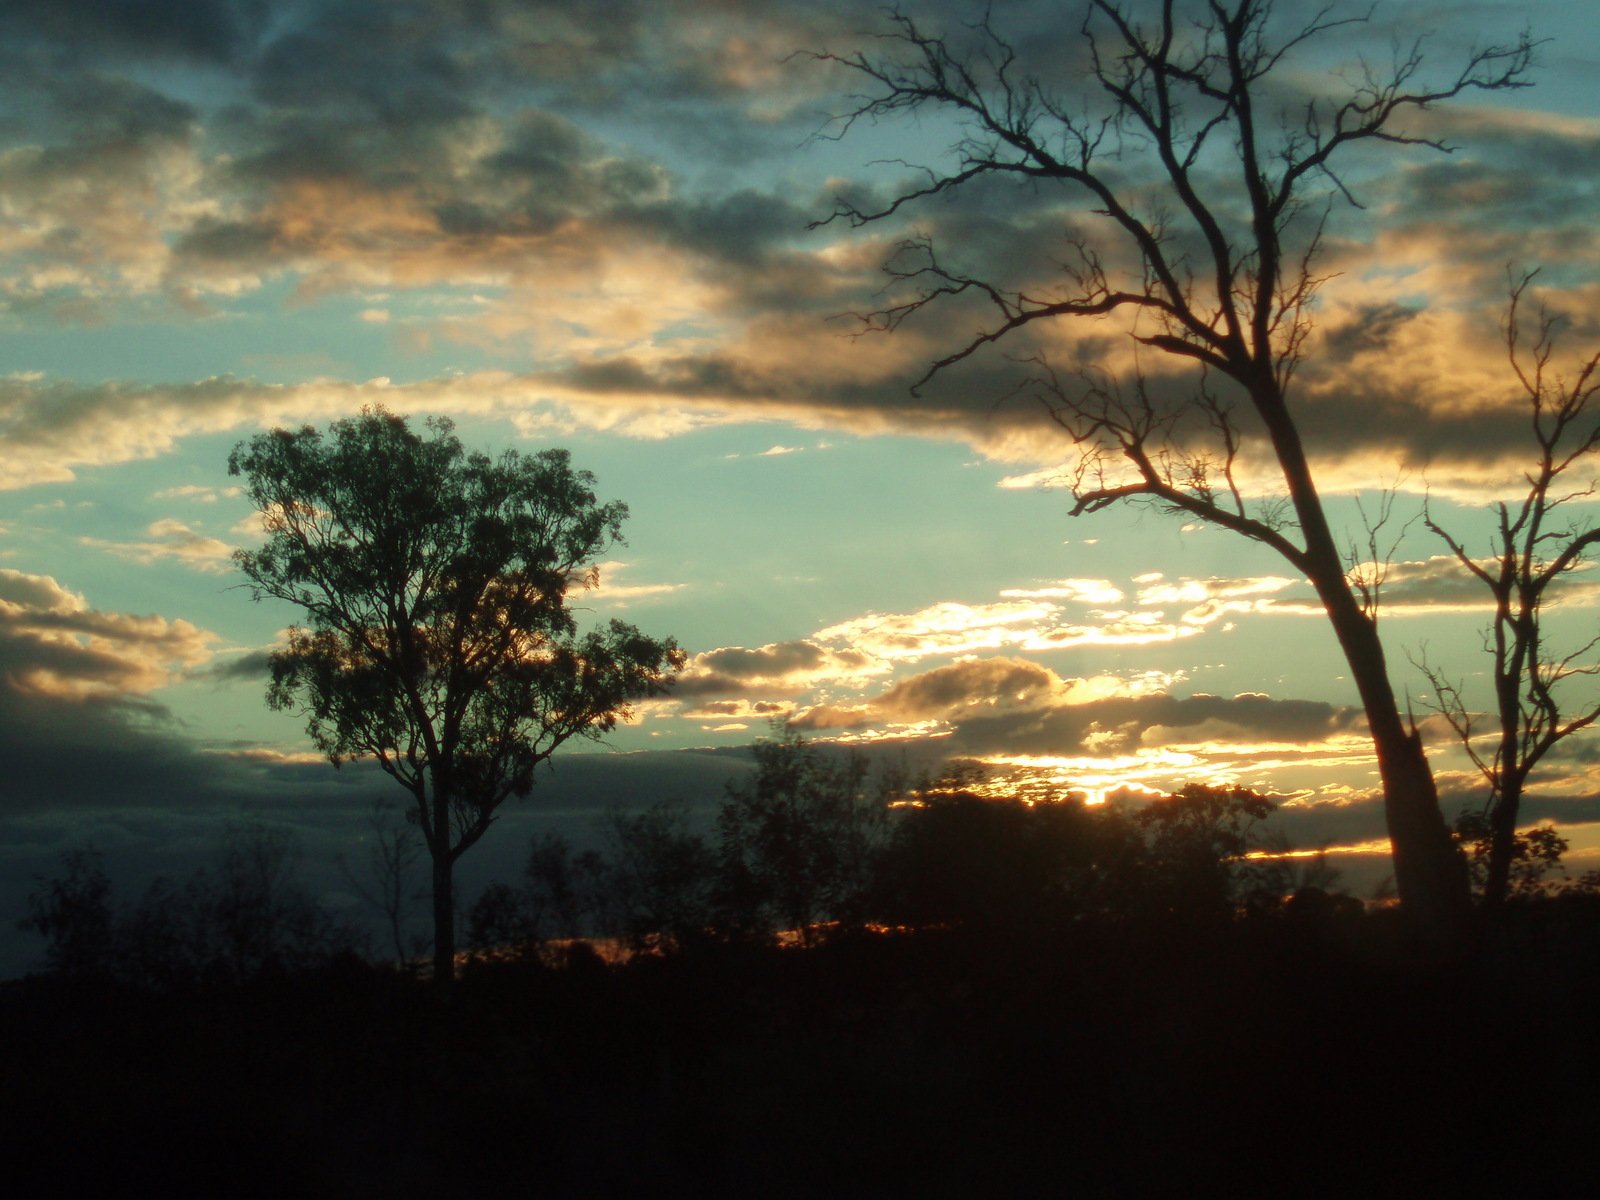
x: 242, y: 918
x: 812, y: 846
x: 1062, y: 991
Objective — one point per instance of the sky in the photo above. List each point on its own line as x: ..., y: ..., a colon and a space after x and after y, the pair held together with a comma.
x: 593, y: 226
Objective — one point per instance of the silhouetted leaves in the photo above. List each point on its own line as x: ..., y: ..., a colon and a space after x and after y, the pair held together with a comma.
x: 242, y: 918
x: 439, y: 639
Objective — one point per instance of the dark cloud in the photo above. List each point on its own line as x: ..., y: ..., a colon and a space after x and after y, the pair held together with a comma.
x: 1069, y: 729
x: 1014, y: 706
x: 739, y: 709
x: 956, y: 693
x: 396, y: 62
x: 435, y: 142
x: 776, y: 667
x: 201, y: 30
x: 68, y: 754
x: 253, y: 667
x: 1582, y: 748
x: 54, y: 646
x: 127, y: 782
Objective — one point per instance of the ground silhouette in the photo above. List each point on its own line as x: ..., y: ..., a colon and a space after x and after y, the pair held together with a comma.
x: 1003, y: 1059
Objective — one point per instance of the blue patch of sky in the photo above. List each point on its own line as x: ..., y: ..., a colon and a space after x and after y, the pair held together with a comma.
x: 266, y: 335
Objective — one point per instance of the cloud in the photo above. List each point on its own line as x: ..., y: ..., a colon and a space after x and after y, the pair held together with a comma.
x: 52, y: 644
x: 436, y: 151
x: 964, y: 690
x: 1009, y: 704
x: 1043, y: 734
x: 54, y: 429
x: 778, y: 667
x: 197, y: 492
x: 1081, y: 591
x: 621, y: 595
x: 253, y: 666
x: 173, y: 540
x: 198, y: 30
x: 740, y: 709
x: 946, y: 628
x: 950, y: 628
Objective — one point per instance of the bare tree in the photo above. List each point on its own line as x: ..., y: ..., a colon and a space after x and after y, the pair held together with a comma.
x: 1536, y: 544
x: 393, y: 848
x: 1212, y: 260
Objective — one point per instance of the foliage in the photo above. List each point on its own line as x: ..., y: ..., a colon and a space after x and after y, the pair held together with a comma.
x: 660, y: 880
x: 955, y: 858
x: 72, y: 912
x: 810, y: 844
x: 798, y: 840
x: 558, y: 893
x: 1533, y: 867
x: 440, y: 641
x: 240, y: 919
x: 1199, y: 842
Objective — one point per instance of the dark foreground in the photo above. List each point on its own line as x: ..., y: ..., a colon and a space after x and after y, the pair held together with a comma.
x: 1276, y: 1058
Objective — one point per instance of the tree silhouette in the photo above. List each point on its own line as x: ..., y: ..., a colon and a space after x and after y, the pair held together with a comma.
x: 72, y: 912
x: 1534, y: 547
x: 1202, y: 203
x: 1199, y: 840
x: 393, y: 848
x: 995, y: 863
x: 439, y: 638
x: 561, y: 894
x: 798, y: 839
x: 242, y: 917
x: 659, y: 881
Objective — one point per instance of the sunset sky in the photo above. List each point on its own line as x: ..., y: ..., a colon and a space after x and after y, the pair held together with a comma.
x: 586, y: 225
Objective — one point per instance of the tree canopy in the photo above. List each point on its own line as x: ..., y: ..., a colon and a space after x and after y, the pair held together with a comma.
x: 438, y: 637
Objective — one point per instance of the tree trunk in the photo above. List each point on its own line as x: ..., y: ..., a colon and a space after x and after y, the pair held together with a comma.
x: 444, y: 921
x: 1430, y: 873
x: 1502, y: 843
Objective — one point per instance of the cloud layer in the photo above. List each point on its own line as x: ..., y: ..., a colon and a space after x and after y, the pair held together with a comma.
x: 487, y: 177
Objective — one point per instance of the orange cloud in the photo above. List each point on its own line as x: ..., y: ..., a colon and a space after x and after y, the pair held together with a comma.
x: 53, y: 644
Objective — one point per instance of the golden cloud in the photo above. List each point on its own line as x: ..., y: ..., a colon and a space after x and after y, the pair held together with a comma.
x: 53, y: 644
x: 172, y: 540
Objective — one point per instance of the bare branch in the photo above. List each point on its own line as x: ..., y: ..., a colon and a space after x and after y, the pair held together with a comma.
x: 1531, y: 555
x: 1204, y: 218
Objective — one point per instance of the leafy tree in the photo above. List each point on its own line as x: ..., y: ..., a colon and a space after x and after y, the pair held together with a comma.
x: 439, y: 640
x: 956, y: 858
x: 1199, y: 839
x: 1196, y: 200
x: 659, y: 883
x: 72, y: 912
x: 1540, y: 693
x: 243, y: 917
x: 1524, y: 872
x: 561, y: 892
x: 501, y: 922
x: 239, y: 918
x: 562, y: 885
x: 799, y: 838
